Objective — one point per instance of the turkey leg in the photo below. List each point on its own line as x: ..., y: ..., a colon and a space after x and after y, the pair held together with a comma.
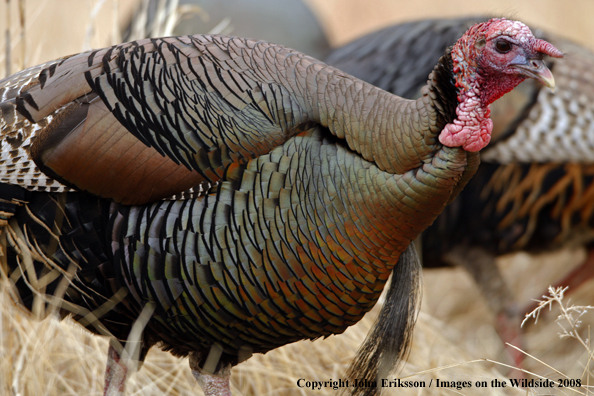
x: 483, y: 268
x: 116, y: 373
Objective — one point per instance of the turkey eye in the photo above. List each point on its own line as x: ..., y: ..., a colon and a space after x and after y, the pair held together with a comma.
x: 503, y: 46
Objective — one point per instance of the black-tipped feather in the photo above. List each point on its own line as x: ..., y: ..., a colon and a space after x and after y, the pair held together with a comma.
x: 388, y: 342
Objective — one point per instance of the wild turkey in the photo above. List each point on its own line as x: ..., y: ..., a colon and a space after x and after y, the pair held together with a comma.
x: 533, y: 190
x: 222, y: 196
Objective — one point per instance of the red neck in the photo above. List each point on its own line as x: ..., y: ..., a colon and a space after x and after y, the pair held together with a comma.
x: 493, y: 90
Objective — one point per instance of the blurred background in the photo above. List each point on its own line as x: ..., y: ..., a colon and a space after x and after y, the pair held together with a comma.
x: 41, y: 30
x: 348, y: 19
x: 455, y: 325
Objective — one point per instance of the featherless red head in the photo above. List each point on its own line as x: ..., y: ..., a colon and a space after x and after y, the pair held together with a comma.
x: 489, y: 60
x: 468, y: 50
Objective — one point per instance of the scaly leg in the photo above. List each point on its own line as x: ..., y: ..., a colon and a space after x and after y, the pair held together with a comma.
x: 115, y: 374
x: 483, y: 268
x: 213, y: 384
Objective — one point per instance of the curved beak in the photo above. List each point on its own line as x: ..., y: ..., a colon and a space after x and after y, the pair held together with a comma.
x: 536, y: 69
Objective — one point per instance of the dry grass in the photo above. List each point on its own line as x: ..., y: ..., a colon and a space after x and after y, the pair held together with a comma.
x: 570, y: 321
x: 452, y: 296
x: 60, y: 358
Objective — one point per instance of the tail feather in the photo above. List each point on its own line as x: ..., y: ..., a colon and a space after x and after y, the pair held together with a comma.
x: 388, y: 342
x: 59, y: 258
